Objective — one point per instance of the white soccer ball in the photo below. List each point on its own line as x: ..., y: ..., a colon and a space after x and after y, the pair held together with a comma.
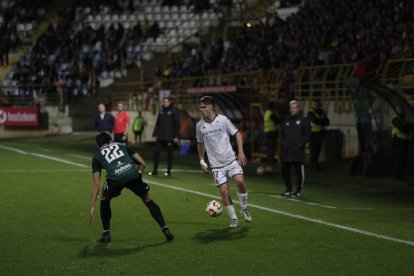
x: 214, y: 208
x: 260, y: 170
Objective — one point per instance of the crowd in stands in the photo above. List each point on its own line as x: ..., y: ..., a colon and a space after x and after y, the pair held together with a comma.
x: 13, y: 17
x: 322, y: 32
x: 72, y: 57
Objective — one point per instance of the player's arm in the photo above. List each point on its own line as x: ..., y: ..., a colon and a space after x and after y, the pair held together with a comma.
x: 96, y: 177
x: 139, y: 161
x: 240, y: 156
x: 201, y: 151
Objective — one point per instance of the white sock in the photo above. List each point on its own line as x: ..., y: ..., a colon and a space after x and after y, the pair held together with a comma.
x: 232, y: 213
x: 243, y: 200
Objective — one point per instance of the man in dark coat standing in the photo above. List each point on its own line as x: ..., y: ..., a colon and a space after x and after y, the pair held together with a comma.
x: 295, y: 133
x: 104, y: 121
x: 166, y: 133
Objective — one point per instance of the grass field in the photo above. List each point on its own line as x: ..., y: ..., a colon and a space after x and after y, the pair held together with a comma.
x: 341, y: 226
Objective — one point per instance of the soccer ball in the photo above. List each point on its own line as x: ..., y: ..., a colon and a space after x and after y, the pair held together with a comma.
x: 214, y: 208
x: 260, y: 170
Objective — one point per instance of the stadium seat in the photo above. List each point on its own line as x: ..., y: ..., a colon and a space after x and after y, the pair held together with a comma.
x: 123, y: 17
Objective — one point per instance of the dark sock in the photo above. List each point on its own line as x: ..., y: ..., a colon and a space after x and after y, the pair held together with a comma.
x: 156, y: 213
x: 106, y: 214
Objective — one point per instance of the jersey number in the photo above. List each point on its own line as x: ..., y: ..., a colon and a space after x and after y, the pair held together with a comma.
x: 112, y: 152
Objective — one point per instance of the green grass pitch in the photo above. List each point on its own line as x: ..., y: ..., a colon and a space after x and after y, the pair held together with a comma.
x: 341, y: 226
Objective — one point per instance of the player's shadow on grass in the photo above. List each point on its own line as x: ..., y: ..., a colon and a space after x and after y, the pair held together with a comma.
x: 212, y: 235
x: 102, y: 250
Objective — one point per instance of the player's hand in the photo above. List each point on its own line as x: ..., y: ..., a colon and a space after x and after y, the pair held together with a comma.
x: 241, y: 158
x: 124, y: 137
x: 176, y: 141
x: 204, y: 166
x: 92, y: 214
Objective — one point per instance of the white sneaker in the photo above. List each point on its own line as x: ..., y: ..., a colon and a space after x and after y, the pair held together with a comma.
x: 246, y: 215
x: 234, y: 223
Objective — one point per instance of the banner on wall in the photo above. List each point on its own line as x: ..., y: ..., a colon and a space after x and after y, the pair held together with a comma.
x: 163, y: 94
x: 19, y: 116
x: 212, y: 89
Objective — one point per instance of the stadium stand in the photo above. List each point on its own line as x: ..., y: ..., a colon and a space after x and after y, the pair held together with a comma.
x: 318, y: 34
x: 90, y: 45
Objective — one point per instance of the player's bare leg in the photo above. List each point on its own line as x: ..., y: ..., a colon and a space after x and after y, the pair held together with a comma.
x: 156, y: 213
x: 228, y: 203
x: 242, y: 194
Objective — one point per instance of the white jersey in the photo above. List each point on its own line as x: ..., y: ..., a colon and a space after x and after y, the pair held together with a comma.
x: 215, y: 136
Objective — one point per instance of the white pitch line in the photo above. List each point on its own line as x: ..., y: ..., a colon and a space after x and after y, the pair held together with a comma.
x: 80, y: 156
x: 318, y: 204
x: 43, y: 170
x: 14, y: 149
x: 45, y: 157
x: 300, y: 217
x: 288, y: 214
x: 59, y: 160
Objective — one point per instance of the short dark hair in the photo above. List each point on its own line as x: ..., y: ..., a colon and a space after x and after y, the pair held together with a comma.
x: 167, y: 98
x: 207, y: 100
x: 103, y: 138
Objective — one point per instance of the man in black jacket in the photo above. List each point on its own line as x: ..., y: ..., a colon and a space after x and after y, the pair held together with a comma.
x: 166, y: 133
x: 295, y: 133
x: 104, y: 121
x: 318, y: 121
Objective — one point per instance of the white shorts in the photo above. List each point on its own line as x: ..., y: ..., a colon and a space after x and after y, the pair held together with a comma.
x: 222, y: 175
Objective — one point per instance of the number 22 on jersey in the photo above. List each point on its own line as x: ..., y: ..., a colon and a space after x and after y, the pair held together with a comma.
x: 112, y: 153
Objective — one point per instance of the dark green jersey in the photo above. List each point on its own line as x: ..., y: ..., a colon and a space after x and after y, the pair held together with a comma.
x: 116, y: 159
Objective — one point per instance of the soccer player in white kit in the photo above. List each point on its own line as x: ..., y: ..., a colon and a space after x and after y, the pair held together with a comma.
x: 213, y: 137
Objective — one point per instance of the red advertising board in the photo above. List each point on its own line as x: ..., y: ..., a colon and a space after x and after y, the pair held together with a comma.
x: 19, y: 116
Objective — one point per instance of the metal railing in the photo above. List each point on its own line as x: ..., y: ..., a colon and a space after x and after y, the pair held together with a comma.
x: 398, y: 73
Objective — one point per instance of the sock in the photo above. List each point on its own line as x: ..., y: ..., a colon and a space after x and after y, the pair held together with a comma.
x: 232, y: 213
x: 156, y: 213
x: 106, y: 214
x: 243, y: 200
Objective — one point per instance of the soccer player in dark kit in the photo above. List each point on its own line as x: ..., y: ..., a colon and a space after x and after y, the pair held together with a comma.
x: 120, y: 164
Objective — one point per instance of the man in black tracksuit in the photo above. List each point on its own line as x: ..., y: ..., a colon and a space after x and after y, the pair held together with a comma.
x: 318, y: 121
x: 295, y: 133
x: 166, y: 133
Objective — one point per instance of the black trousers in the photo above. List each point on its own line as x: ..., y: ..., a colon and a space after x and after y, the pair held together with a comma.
x: 137, y: 134
x: 118, y: 138
x: 271, y: 142
x: 315, y: 147
x: 159, y: 146
x: 300, y: 175
x: 400, y: 148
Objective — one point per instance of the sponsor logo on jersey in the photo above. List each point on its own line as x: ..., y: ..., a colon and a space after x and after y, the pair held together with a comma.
x: 119, y: 164
x: 123, y: 169
x: 212, y: 132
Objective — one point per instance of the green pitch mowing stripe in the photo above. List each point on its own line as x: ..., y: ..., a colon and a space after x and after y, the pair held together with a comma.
x: 263, y: 208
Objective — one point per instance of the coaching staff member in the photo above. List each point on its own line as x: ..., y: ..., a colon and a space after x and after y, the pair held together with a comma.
x: 295, y: 133
x: 104, y: 121
x: 166, y: 133
x: 318, y: 121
